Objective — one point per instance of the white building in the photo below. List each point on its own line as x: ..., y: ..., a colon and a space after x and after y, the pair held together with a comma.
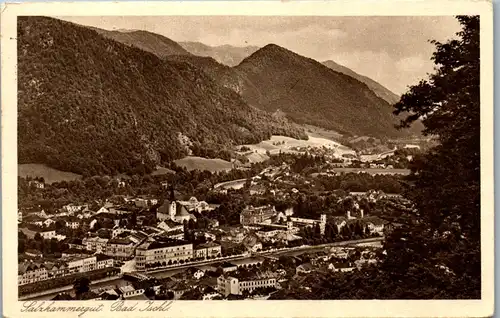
x: 102, y: 210
x: 341, y: 267
x: 168, y: 226
x: 73, y: 223
x: 48, y: 222
x: 29, y: 272
x: 206, y: 250
x: 165, y: 252
x: 73, y: 208
x: 48, y: 234
x: 96, y: 244
x: 237, y: 284
x: 37, y: 184
x: 82, y: 264
x: 172, y: 210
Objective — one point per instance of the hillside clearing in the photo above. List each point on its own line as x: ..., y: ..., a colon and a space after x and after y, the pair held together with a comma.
x: 50, y: 175
x: 291, y: 145
x: 161, y: 171
x: 199, y: 163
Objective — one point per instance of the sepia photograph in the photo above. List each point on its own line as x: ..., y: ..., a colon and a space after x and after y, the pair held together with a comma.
x: 228, y: 157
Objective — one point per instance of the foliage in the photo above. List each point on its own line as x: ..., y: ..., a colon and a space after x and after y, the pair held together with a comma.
x: 52, y: 246
x: 65, y: 280
x: 435, y: 254
x: 81, y: 286
x: 309, y: 92
x: 90, y: 105
x: 447, y: 178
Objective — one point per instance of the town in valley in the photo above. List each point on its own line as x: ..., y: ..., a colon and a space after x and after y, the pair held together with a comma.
x: 158, y: 170
x: 183, y: 235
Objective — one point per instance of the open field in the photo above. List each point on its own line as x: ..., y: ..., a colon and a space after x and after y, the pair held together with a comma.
x: 212, y: 165
x: 253, y: 156
x: 319, y: 132
x: 161, y: 171
x: 258, y: 152
x: 290, y: 145
x: 50, y: 175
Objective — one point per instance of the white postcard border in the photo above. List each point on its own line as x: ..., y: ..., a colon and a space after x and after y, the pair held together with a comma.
x: 287, y: 308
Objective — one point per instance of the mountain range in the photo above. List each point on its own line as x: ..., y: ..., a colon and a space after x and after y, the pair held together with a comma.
x: 94, y: 101
x: 91, y: 105
x: 376, y: 87
x: 216, y: 61
x: 226, y: 54
x: 232, y: 56
x: 343, y: 95
x: 311, y: 93
x: 144, y: 40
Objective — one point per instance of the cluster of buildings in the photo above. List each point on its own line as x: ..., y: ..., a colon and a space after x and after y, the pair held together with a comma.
x: 157, y: 238
x: 237, y: 283
x: 268, y: 223
x: 31, y: 271
x: 160, y: 253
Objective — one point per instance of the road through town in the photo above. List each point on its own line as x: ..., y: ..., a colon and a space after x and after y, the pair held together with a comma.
x: 162, y: 273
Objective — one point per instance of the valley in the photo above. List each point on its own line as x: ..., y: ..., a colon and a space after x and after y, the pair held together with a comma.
x: 210, y: 158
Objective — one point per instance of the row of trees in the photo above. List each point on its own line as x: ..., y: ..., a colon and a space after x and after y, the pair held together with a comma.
x: 66, y: 280
x: 180, y: 262
x: 46, y: 247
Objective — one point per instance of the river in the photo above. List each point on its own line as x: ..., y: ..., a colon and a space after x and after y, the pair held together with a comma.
x: 118, y: 282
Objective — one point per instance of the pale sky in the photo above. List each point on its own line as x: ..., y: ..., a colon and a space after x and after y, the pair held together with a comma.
x: 391, y: 50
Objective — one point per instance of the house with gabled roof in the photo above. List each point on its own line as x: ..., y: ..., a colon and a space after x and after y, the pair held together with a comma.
x: 174, y: 211
x: 30, y: 272
x: 169, y: 225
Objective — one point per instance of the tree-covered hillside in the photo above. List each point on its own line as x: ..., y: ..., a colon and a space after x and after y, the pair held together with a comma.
x: 90, y: 105
x: 311, y: 93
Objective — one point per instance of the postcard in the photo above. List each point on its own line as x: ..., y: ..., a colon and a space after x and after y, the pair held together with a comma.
x: 248, y: 159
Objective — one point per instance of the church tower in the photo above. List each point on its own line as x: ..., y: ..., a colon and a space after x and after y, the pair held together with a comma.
x: 322, y: 224
x: 171, y: 193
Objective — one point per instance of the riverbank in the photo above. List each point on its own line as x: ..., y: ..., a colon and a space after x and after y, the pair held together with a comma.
x: 165, y: 272
x: 285, y: 250
x: 58, y: 290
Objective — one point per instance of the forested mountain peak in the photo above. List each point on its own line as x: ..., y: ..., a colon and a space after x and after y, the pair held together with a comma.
x: 91, y: 105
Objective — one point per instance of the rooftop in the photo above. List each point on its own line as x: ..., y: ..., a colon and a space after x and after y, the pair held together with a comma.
x: 270, y: 228
x: 126, y: 288
x: 139, y: 235
x: 170, y: 223
x: 95, y: 239
x: 119, y: 241
x: 73, y: 240
x: 34, y: 228
x: 102, y: 257
x: 172, y: 233
x: 28, y: 266
x: 251, y: 275
x: 76, y: 251
x: 207, y: 245
x: 165, y: 242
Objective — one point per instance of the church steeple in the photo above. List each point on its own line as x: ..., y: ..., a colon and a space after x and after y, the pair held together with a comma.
x: 172, y: 194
